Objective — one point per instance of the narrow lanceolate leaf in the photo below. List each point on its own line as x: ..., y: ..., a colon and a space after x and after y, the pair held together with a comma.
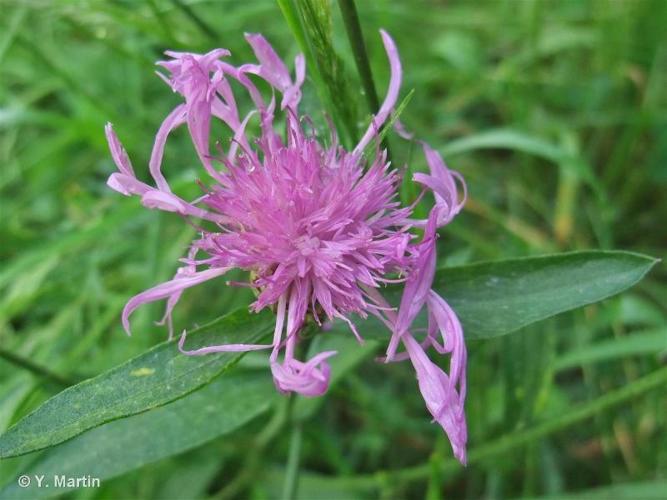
x: 497, y: 298
x: 155, y: 378
x: 129, y: 443
x: 490, y: 298
x: 500, y: 297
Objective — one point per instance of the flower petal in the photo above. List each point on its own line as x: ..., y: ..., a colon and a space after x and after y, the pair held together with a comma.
x: 308, y: 379
x: 167, y: 289
x: 174, y: 119
x: 417, y: 286
x: 391, y: 97
x: 271, y: 67
x: 220, y: 348
x: 118, y: 153
x: 442, y: 182
x: 451, y: 331
x: 127, y: 184
x: 169, y: 202
x: 440, y: 396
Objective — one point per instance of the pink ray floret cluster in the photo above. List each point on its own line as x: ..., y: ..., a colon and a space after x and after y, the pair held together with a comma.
x: 319, y: 228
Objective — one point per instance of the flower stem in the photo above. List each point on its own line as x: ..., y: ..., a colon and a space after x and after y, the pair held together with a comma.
x: 253, y: 460
x: 291, y: 483
x: 282, y: 416
x: 356, y: 38
x: 293, y: 460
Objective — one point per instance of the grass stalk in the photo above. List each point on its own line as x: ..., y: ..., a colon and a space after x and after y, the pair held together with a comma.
x: 311, y: 24
x: 37, y: 369
x: 196, y: 20
x: 509, y: 442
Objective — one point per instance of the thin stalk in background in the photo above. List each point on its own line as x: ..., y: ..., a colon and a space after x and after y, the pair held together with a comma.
x: 38, y: 370
x: 58, y: 69
x: 507, y: 443
x: 163, y: 22
x: 283, y: 416
x: 196, y: 20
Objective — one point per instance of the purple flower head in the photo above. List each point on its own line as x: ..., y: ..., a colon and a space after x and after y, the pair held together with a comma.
x: 318, y: 228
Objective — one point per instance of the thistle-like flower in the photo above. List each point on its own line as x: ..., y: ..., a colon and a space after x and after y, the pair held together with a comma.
x: 318, y: 228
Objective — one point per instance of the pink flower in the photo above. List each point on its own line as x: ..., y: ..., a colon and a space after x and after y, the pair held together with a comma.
x: 319, y: 228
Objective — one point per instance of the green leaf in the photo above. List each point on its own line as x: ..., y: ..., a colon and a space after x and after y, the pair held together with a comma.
x: 155, y: 378
x: 129, y: 443
x: 648, y: 342
x: 496, y: 298
x: 491, y: 299
x: 12, y: 394
x: 395, y: 115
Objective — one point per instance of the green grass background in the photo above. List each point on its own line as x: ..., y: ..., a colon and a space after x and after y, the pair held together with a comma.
x: 555, y: 112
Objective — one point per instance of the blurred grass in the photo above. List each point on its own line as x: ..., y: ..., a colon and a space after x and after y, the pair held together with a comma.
x: 555, y: 112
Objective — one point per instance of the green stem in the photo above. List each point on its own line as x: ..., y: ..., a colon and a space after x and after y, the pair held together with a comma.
x: 293, y: 461
x: 36, y: 369
x: 282, y: 416
x: 291, y: 483
x: 252, y: 462
x: 356, y: 38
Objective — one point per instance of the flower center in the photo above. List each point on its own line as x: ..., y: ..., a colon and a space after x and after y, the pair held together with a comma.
x: 307, y: 245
